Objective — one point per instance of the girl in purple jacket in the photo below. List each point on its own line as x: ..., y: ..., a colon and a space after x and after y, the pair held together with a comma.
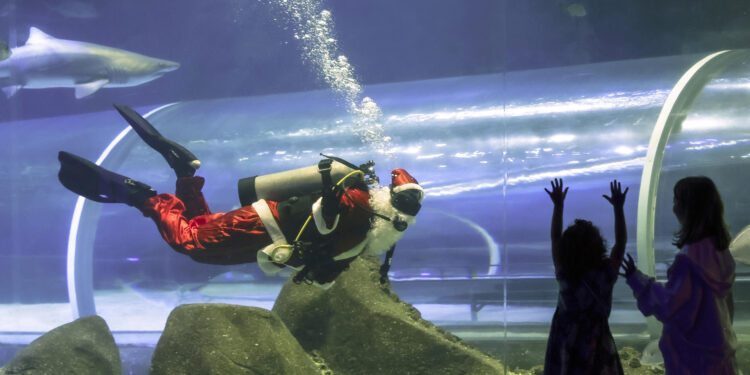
x: 696, y: 303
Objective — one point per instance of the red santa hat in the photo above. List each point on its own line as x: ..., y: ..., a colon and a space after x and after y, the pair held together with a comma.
x: 401, y: 180
x: 406, y: 194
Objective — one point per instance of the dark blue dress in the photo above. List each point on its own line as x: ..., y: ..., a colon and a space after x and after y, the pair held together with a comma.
x: 580, y: 341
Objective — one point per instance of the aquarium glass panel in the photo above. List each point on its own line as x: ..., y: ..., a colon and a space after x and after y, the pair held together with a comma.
x: 483, y: 102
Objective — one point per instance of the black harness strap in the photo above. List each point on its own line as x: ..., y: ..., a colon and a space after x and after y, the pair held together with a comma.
x: 386, y: 265
x: 340, y: 160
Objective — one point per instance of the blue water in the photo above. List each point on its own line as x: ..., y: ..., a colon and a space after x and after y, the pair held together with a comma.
x: 478, y: 102
x: 482, y: 162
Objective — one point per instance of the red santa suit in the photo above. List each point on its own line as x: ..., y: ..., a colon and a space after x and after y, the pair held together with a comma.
x: 188, y: 226
x: 253, y: 233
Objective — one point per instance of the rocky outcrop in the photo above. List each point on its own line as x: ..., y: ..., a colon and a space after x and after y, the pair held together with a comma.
x: 361, y: 327
x: 228, y: 339
x: 84, y: 346
x: 356, y: 327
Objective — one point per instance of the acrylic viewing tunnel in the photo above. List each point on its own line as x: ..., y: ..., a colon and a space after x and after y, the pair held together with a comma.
x: 483, y: 147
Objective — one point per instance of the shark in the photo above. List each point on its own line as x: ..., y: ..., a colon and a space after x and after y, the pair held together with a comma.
x: 46, y: 62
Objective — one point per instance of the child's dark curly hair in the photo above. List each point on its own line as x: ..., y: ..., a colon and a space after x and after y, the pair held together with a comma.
x: 582, y: 248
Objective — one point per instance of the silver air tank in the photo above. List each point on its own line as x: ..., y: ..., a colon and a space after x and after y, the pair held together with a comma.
x: 284, y: 185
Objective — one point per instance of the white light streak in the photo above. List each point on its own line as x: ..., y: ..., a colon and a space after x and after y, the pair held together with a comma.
x: 608, y: 102
x: 431, y: 156
x: 624, y: 150
x: 709, y: 146
x: 467, y: 155
x: 561, y: 138
x: 459, y: 188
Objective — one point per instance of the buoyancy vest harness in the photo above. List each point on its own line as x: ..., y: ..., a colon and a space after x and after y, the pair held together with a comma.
x: 314, y: 248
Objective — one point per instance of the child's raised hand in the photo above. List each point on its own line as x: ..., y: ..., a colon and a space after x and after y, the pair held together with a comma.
x: 618, y: 196
x: 628, y: 266
x: 557, y: 194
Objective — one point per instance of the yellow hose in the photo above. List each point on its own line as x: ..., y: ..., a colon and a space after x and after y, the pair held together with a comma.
x: 304, y: 226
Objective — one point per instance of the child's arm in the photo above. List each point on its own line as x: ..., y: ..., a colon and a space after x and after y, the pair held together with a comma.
x: 558, y: 198
x: 664, y: 301
x: 621, y: 233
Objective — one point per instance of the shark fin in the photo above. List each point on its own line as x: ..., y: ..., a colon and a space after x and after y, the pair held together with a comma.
x: 37, y: 36
x: 85, y: 89
x: 11, y: 90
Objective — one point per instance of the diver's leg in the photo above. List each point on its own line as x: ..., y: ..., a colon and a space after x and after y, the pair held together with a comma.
x: 168, y: 213
x: 221, y: 238
x: 188, y: 190
x: 98, y: 184
x: 179, y: 158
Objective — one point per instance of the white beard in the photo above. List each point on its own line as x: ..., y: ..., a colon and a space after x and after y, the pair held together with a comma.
x: 382, y: 235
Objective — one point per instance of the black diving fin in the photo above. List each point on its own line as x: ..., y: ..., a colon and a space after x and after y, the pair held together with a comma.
x: 98, y: 184
x: 179, y: 158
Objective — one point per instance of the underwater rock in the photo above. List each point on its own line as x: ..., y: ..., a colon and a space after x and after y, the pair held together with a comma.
x: 535, y: 370
x: 743, y: 356
x: 84, y: 346
x: 629, y: 357
x: 632, y: 365
x: 4, y: 50
x: 652, y: 354
x: 228, y: 339
x: 361, y: 327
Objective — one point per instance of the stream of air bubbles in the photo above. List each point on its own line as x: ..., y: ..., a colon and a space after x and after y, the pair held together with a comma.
x: 313, y: 27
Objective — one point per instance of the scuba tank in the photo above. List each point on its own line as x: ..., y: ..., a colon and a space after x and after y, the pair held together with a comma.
x: 304, y: 181
x: 296, y: 182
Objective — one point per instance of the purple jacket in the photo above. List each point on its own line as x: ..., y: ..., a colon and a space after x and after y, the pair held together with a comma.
x: 696, y: 308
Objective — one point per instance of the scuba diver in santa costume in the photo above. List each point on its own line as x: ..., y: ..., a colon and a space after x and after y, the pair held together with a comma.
x: 317, y: 234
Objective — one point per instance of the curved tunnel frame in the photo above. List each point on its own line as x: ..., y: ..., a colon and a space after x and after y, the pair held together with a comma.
x: 80, y: 266
x: 674, y: 111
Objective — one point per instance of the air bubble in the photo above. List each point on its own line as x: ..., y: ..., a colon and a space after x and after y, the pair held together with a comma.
x: 314, y: 27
